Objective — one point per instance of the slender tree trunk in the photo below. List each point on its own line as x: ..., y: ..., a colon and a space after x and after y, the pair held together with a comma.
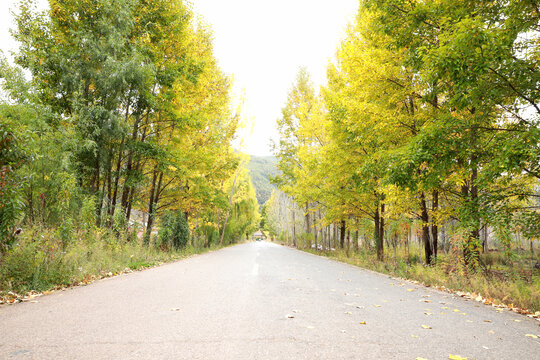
x: 293, y: 227
x: 380, y: 250
x: 150, y: 221
x: 425, y: 229
x: 117, y: 179
x: 376, y: 235
x: 100, y: 203
x: 434, y: 227
x: 342, y: 235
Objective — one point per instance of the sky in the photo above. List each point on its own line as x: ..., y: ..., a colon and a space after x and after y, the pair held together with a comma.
x: 262, y: 45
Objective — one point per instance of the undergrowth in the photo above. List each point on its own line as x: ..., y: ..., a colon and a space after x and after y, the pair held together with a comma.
x: 506, y: 285
x: 42, y: 261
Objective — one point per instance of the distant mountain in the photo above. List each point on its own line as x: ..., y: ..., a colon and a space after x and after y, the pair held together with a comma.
x: 262, y: 168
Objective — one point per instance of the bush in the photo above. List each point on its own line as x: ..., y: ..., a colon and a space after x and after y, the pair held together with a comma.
x: 174, y: 230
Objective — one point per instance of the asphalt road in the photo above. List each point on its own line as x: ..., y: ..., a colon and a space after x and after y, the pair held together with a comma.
x: 260, y: 301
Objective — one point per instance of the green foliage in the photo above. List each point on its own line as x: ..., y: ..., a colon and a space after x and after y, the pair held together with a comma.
x: 174, y: 231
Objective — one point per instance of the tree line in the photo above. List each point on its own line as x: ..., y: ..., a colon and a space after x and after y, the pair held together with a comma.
x: 429, y: 122
x: 115, y: 114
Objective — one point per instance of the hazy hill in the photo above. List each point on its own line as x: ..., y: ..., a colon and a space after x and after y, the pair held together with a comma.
x: 262, y: 168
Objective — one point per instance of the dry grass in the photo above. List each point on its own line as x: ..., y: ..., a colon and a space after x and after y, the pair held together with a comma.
x: 500, y: 283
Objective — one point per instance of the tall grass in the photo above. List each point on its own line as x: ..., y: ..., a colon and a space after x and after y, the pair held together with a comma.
x: 42, y: 260
x: 499, y: 281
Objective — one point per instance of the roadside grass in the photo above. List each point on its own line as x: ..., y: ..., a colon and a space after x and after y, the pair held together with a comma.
x: 43, y: 261
x: 499, y: 283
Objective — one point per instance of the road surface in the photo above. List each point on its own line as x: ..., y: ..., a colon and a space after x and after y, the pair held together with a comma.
x: 260, y: 301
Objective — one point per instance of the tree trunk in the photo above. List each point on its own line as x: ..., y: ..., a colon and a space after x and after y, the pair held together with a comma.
x: 293, y: 227
x: 342, y: 235
x: 434, y: 227
x: 377, y: 235
x: 425, y: 229
x: 380, y: 249
x: 116, y: 180
x: 150, y: 221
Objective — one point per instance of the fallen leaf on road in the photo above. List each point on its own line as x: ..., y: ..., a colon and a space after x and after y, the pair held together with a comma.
x: 487, y: 321
x: 411, y: 289
x: 428, y: 313
x: 426, y: 327
x: 359, y: 307
x: 463, y: 314
x: 531, y: 336
x: 445, y: 307
x: 363, y: 323
x: 491, y: 332
x: 377, y: 305
x: 421, y: 358
x: 516, y: 320
x: 348, y: 312
x: 469, y: 321
x: 457, y: 357
x: 175, y: 309
x: 290, y: 316
x: 414, y: 336
x: 485, y: 347
x: 456, y: 310
x: 428, y: 301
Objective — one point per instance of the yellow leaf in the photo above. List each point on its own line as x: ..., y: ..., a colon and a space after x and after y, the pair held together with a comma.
x: 456, y: 310
x: 457, y: 357
x: 363, y: 323
x: 426, y: 327
x: 414, y: 336
x: 531, y: 336
x: 421, y: 358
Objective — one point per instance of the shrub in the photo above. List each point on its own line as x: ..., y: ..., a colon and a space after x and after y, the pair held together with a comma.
x: 174, y: 230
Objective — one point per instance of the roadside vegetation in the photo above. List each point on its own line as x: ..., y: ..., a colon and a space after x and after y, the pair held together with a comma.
x: 426, y: 137
x: 116, y: 130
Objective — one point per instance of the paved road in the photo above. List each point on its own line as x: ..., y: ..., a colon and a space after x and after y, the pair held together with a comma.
x: 260, y: 301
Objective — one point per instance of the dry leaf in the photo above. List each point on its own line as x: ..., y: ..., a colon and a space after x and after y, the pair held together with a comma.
x: 363, y: 323
x: 531, y: 336
x: 456, y: 357
x: 426, y: 327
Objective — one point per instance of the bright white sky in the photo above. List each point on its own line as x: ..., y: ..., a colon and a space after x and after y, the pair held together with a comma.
x: 262, y: 44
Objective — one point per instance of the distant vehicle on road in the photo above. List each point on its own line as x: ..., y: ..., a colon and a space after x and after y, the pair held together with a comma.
x: 259, y: 236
